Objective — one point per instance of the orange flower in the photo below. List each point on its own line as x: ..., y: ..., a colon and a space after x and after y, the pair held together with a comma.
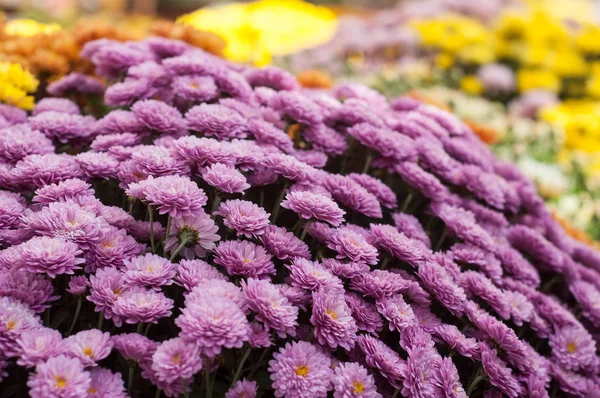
x: 486, y: 134
x: 314, y: 78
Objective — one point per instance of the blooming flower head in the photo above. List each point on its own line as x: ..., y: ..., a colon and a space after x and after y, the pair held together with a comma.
x: 311, y: 276
x: 225, y: 178
x: 154, y: 160
x: 332, y: 319
x: 419, y: 374
x: 160, y: 117
x: 137, y: 305
x: 353, y: 195
x: 347, y: 270
x: 244, y: 258
x: 77, y: 285
x: 351, y: 380
x: 242, y: 389
x: 351, y: 244
x: 213, y: 323
x: 106, y: 384
x: 59, y: 377
x: 398, y: 244
x: 175, y: 359
x: 48, y: 168
x: 447, y: 380
x: 191, y: 272
x: 176, y: 195
x: 245, y: 217
x: 288, y: 167
x: 399, y: 314
x: 195, y: 88
x: 75, y: 82
x: 34, y: 290
x: 15, y: 318
x: 217, y: 120
x: 19, y: 141
x: 499, y: 375
x: 134, y: 346
x: 271, y: 307
x: 217, y: 288
x: 56, y: 104
x: 51, y: 256
x: 381, y: 357
x: 456, y: 340
x: 382, y: 192
x: 150, y: 271
x: 410, y: 226
x: 89, y: 346
x: 199, y: 233
x: 314, y: 206
x: 283, y: 244
x: 62, y: 191
x: 300, y: 370
x: 64, y: 127
x: 38, y: 345
x: 573, y: 348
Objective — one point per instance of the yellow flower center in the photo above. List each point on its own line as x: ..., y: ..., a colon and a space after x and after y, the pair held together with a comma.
x: 60, y: 382
x: 150, y: 269
x: 302, y: 371
x: 176, y: 358
x: 11, y: 325
x: 246, y: 260
x: 571, y: 347
x: 92, y: 390
x: 117, y: 291
x: 331, y: 314
x: 88, y: 351
x: 358, y: 387
x: 194, y: 85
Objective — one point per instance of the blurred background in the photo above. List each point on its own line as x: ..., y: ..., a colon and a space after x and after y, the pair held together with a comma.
x: 524, y: 74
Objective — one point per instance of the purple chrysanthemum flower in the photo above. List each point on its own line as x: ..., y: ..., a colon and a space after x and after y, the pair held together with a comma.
x: 389, y: 144
x: 12, y: 206
x: 587, y: 295
x: 447, y: 380
x: 271, y: 307
x: 296, y: 107
x: 78, y: 285
x: 397, y: 244
x: 399, y: 314
x: 213, y: 289
x: 106, y: 384
x: 49, y: 168
x: 218, y: 120
x: 19, y: 141
x: 15, y: 318
x: 38, y: 345
x: 105, y: 142
x: 150, y: 271
x: 160, y: 117
x: 198, y: 232
x: 289, y: 167
x: 477, y: 284
x: 213, y: 323
x: 456, y: 340
x: 381, y: 357
x: 106, y: 286
x: 259, y: 337
x: 382, y: 192
x: 424, y: 182
x: 573, y: 348
x: 351, y: 244
x: 89, y: 346
x: 112, y: 250
x: 314, y: 206
x: 410, y: 226
x: 499, y: 375
x: 191, y: 272
x: 176, y: 195
x: 64, y: 127
x: 63, y: 191
x: 352, y: 195
x: 192, y: 89
x: 299, y: 370
x: 268, y: 134
x: 34, y: 290
x: 175, y: 359
x: 244, y: 258
x: 152, y: 160
x: 332, y: 319
x: 134, y: 347
x: 59, y: 377
x: 242, y: 389
x: 202, y: 150
x: 275, y: 78
x: 243, y: 216
x: 346, y: 270
x: 419, y: 374
x: 138, y: 305
x: 51, y: 256
x: 311, y: 276
x: 13, y: 114
x: 225, y: 178
x: 119, y: 122
x: 440, y: 284
x: 75, y: 82
x: 283, y: 244
x: 57, y: 105
x: 351, y: 380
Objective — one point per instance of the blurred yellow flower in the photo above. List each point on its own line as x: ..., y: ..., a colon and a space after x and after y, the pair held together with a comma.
x: 15, y: 84
x: 452, y: 33
x: 29, y: 27
x: 444, y: 60
x: 471, y: 85
x: 256, y: 31
x: 529, y: 79
x: 580, y: 121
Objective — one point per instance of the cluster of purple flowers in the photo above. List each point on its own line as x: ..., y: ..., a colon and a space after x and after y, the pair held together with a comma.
x: 224, y: 232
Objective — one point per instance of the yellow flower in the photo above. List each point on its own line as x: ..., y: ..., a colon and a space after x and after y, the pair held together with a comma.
x: 471, y: 85
x: 256, y: 31
x: 528, y: 79
x: 592, y: 86
x: 15, y: 84
x: 477, y: 54
x: 29, y: 27
x: 588, y: 39
x: 569, y: 63
x: 444, y: 60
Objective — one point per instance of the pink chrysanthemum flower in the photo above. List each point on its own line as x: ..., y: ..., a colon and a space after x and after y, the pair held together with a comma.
x: 199, y: 233
x: 245, y: 217
x: 191, y: 272
x: 63, y: 191
x: 225, y: 178
x: 38, y: 345
x: 139, y: 305
x: 59, y: 377
x: 242, y: 389
x: 244, y: 258
x: 314, y: 206
x: 15, y: 318
x: 351, y: 380
x: 150, y: 271
x: 89, y: 346
x: 50, y: 256
x: 332, y: 319
x: 352, y: 245
x: 283, y: 244
x: 300, y: 370
x: 106, y: 384
x: 175, y: 359
x: 134, y: 347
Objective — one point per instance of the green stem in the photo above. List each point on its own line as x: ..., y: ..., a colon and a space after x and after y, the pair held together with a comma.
x: 368, y: 162
x: 257, y: 364
x: 130, y: 379
x: 276, y: 207
x: 474, y: 383
x: 167, y: 232
x: 47, y: 317
x: 441, y: 241
x: 176, y: 252
x: 100, y: 321
x: 306, y: 227
x: 407, y: 202
x: 395, y: 393
x: 147, y: 329
x: 77, y: 310
x: 216, y: 202
x: 385, y: 262
x: 140, y: 327
x: 157, y: 395
x: 150, y: 218
x: 241, y: 366
x: 207, y: 378
x: 261, y: 200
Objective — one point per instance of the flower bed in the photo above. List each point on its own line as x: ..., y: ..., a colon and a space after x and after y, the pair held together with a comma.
x: 211, y: 229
